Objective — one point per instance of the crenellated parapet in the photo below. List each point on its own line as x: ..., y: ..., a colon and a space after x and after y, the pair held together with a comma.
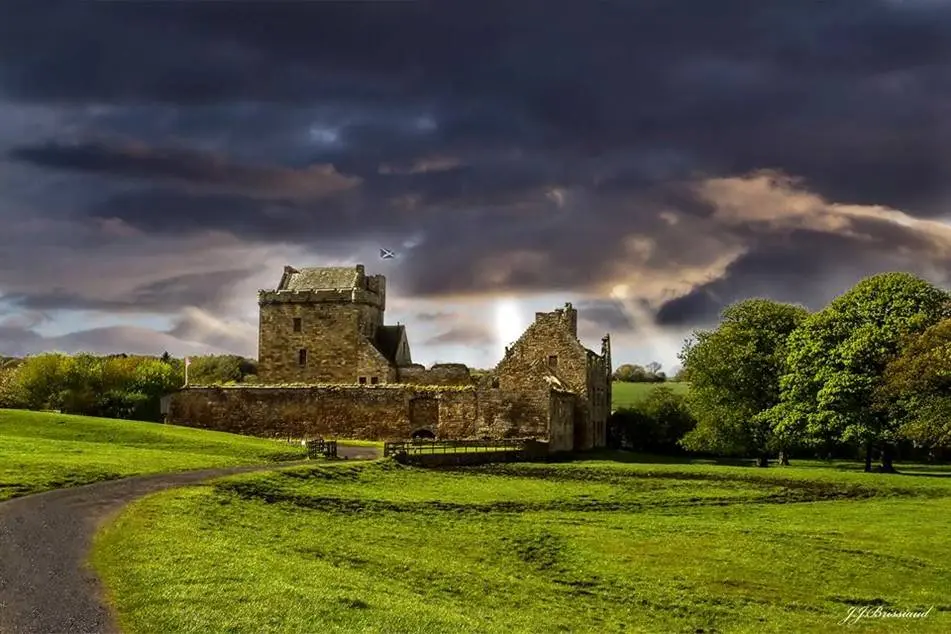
x: 329, y: 296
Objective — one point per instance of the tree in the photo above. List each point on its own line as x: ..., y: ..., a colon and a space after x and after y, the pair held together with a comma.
x: 735, y: 375
x: 916, y: 387
x: 9, y: 396
x: 40, y: 380
x: 630, y: 373
x: 654, y: 425
x: 652, y: 368
x: 217, y: 369
x: 836, y: 360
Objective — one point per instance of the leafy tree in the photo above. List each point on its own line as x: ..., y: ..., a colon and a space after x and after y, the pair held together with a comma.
x: 217, y: 369
x: 119, y: 386
x: 40, y: 380
x: 836, y: 360
x: 735, y: 375
x: 629, y: 373
x: 916, y: 387
x: 9, y: 396
x: 655, y: 425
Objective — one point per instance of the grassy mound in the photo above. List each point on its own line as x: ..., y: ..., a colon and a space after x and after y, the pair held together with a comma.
x: 578, y: 547
x: 41, y: 451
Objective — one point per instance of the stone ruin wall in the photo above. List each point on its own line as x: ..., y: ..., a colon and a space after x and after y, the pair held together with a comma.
x: 562, y: 432
x: 383, y: 412
x: 438, y: 374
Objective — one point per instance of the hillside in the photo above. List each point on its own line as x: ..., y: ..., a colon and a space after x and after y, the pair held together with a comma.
x: 40, y: 451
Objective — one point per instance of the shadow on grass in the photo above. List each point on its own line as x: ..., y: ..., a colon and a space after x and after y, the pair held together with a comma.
x: 630, y: 457
x: 644, y: 458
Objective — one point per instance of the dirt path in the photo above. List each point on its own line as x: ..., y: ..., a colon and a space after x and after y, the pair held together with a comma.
x: 45, y: 585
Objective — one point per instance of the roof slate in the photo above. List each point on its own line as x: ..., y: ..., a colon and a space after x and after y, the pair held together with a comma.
x: 321, y: 279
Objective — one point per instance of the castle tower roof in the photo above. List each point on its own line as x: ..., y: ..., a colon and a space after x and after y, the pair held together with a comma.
x: 321, y: 278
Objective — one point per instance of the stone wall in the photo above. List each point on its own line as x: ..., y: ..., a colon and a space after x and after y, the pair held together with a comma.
x: 599, y: 403
x: 349, y: 411
x: 528, y: 360
x: 527, y: 364
x: 561, y: 421
x: 438, y: 374
x: 338, y: 351
x: 370, y: 364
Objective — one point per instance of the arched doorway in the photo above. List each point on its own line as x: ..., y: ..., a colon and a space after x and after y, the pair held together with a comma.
x: 423, y: 434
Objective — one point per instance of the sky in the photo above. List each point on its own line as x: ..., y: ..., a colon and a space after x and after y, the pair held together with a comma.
x: 649, y: 162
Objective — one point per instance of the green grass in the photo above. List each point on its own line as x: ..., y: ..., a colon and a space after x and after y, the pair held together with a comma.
x: 378, y: 444
x: 630, y: 394
x: 592, y: 546
x: 40, y: 451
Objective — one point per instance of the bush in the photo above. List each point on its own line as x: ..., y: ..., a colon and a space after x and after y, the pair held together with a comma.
x: 654, y: 425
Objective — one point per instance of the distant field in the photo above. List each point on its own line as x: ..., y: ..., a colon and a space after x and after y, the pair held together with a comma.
x: 629, y: 394
x: 40, y: 451
x: 593, y: 546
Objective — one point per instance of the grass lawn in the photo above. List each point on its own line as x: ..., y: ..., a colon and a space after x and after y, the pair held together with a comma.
x: 627, y: 394
x: 41, y: 451
x: 594, y: 546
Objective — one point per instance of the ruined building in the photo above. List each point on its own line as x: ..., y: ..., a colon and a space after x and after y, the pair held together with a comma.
x: 329, y: 365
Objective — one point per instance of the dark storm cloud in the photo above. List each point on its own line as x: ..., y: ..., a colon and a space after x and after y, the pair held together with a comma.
x: 166, y: 295
x: 777, y: 269
x: 186, y: 167
x: 604, y: 315
x: 744, y: 84
x: 556, y: 123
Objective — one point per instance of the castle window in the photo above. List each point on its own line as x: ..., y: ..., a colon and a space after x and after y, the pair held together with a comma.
x: 374, y: 380
x: 297, y: 324
x: 302, y: 356
x: 553, y: 361
x: 363, y: 380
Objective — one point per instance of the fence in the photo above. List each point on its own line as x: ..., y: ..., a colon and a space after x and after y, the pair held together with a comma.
x: 431, y: 447
x: 321, y: 447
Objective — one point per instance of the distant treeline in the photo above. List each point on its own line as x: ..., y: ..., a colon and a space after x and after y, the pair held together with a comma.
x: 633, y: 373
x: 113, y: 386
x: 867, y: 376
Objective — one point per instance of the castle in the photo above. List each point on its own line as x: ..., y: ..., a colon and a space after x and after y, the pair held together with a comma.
x: 329, y: 365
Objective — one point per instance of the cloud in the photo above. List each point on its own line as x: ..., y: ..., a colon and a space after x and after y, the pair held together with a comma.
x: 203, y: 328
x: 799, y: 243
x: 20, y: 342
x: 656, y: 162
x: 466, y: 334
x: 200, y: 170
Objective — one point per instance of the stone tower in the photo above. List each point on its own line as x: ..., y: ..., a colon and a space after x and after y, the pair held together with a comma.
x: 319, y: 324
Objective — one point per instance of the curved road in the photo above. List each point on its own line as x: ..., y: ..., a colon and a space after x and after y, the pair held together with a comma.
x: 45, y: 584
